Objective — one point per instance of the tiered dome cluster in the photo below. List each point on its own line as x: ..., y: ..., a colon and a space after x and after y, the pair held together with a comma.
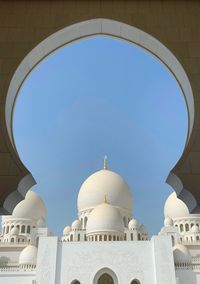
x: 29, y: 214
x: 187, y: 224
x: 23, y: 228
x: 104, y: 211
x: 183, y: 227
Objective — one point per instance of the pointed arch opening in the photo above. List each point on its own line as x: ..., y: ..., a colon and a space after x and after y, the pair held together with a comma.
x: 105, y: 276
x: 135, y: 281
x: 105, y: 279
x: 75, y: 282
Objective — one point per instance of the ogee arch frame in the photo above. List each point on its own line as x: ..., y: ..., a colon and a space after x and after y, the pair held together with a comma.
x: 82, y: 30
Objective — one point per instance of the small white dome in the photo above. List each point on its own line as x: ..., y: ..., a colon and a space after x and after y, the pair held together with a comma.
x: 76, y: 225
x: 143, y: 229
x: 105, y: 218
x: 175, y: 208
x: 181, y: 254
x: 14, y: 231
x: 66, y: 231
x: 32, y: 207
x: 104, y: 183
x: 28, y: 256
x: 168, y: 222
x: 133, y: 224
x: 195, y: 229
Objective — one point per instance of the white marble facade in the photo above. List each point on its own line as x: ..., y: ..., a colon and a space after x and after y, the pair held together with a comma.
x: 104, y: 244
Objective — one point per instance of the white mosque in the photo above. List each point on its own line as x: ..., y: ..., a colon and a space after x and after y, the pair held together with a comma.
x: 104, y: 245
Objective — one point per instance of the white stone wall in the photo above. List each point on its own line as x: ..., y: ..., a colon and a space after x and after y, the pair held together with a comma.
x: 151, y: 262
x: 47, y: 261
x: 17, y: 278
x: 10, y: 254
x: 163, y: 260
x: 187, y: 276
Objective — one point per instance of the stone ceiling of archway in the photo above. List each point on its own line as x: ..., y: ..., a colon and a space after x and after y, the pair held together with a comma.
x: 23, y: 24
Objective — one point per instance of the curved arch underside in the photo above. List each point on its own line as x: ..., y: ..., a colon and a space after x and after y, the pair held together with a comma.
x: 165, y: 35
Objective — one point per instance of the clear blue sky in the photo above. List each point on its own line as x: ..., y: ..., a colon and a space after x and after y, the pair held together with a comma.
x: 94, y: 97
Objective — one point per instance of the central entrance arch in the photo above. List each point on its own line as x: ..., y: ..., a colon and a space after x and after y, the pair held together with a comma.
x: 96, y: 27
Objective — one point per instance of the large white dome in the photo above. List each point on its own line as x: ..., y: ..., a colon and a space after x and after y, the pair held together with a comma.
x: 104, y: 183
x: 105, y: 218
x: 32, y: 207
x: 175, y: 208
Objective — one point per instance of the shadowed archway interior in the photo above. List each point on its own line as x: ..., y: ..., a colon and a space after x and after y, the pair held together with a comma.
x: 135, y: 281
x: 105, y: 279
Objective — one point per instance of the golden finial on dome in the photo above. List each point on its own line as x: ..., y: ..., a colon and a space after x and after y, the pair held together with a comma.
x: 105, y: 163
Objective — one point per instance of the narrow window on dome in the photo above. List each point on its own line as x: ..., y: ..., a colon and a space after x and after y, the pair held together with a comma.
x: 173, y: 241
x: 23, y: 229
x: 124, y: 219
x: 85, y: 222
x: 28, y: 229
